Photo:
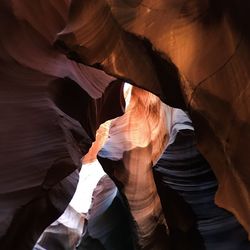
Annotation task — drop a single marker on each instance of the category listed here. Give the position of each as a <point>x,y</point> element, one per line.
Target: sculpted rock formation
<point>135,142</point>
<point>65,233</point>
<point>97,217</point>
<point>107,225</point>
<point>48,120</point>
<point>187,186</point>
<point>109,219</point>
<point>200,47</point>
<point>192,54</point>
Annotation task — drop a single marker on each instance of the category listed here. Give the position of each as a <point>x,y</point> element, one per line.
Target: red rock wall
<point>43,134</point>
<point>192,54</point>
<point>136,140</point>
<point>201,47</point>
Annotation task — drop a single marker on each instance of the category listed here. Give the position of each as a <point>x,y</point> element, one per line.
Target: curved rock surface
<point>107,225</point>
<point>193,54</point>
<point>135,142</point>
<point>65,233</point>
<point>50,110</point>
<point>200,47</point>
<point>187,186</point>
<point>109,219</point>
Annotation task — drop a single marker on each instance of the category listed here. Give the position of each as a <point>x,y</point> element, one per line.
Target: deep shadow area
<point>187,186</point>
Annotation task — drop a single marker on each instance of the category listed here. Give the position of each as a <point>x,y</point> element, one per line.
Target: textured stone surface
<point>48,119</point>
<point>206,43</point>
<point>192,54</point>
<point>187,186</point>
<point>135,142</point>
<point>107,225</point>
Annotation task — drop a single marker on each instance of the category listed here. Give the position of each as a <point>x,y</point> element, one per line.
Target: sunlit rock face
<point>135,142</point>
<point>106,224</point>
<point>50,110</point>
<point>68,229</point>
<point>193,55</point>
<point>90,175</point>
<point>97,217</point>
<point>198,60</point>
<point>65,233</point>
<point>124,54</point>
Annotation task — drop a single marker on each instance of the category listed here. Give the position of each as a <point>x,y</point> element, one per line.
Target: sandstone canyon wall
<point>62,66</point>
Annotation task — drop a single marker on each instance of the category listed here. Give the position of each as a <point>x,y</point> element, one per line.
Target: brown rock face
<point>124,55</point>
<point>192,54</point>
<point>136,140</point>
<point>43,134</point>
<point>207,44</point>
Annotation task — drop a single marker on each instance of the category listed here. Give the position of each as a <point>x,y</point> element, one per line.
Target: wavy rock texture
<point>109,219</point>
<point>65,233</point>
<point>135,142</point>
<point>50,110</point>
<point>91,205</point>
<point>101,136</point>
<point>192,54</point>
<point>187,186</point>
<point>91,25</point>
<point>107,225</point>
<point>200,46</point>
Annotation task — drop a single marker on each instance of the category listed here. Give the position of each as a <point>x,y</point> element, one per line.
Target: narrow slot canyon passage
<point>124,125</point>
